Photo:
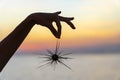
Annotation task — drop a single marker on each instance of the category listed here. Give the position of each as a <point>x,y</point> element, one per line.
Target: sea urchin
<point>55,57</point>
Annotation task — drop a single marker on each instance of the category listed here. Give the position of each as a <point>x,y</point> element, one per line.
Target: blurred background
<point>95,43</point>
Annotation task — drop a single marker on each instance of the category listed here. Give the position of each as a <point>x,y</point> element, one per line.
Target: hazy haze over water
<point>84,67</point>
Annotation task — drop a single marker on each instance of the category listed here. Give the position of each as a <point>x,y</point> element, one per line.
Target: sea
<point>83,67</point>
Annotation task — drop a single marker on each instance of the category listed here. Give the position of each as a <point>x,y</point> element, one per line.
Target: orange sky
<point>97,22</point>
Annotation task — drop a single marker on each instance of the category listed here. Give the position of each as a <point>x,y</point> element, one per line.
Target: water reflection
<point>85,67</point>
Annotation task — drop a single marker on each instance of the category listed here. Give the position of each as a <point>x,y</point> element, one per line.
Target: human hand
<point>46,19</point>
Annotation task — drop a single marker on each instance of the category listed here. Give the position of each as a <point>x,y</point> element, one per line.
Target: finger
<point>54,32</point>
<point>65,18</point>
<point>58,26</point>
<point>58,12</point>
<point>70,24</point>
<point>72,18</point>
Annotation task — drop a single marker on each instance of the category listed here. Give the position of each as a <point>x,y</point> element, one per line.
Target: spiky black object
<point>55,57</point>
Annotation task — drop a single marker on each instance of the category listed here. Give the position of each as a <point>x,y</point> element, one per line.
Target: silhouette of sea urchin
<point>55,57</point>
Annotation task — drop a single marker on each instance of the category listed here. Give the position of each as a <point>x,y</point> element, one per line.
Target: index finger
<point>68,21</point>
<point>58,26</point>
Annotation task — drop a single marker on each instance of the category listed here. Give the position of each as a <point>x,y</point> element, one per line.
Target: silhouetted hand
<point>46,19</point>
<point>11,43</point>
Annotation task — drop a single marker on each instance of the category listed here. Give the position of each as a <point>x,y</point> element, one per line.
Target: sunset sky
<point>97,22</point>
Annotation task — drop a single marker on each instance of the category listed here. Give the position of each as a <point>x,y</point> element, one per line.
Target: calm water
<point>84,67</point>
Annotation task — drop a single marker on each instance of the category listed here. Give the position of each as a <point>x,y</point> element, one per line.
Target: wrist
<point>29,20</point>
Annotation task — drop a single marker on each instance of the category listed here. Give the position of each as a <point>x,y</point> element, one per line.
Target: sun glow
<point>97,22</point>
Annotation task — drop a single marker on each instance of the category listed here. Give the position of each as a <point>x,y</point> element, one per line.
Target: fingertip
<point>74,28</point>
<point>58,37</point>
<point>72,18</point>
<point>58,12</point>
